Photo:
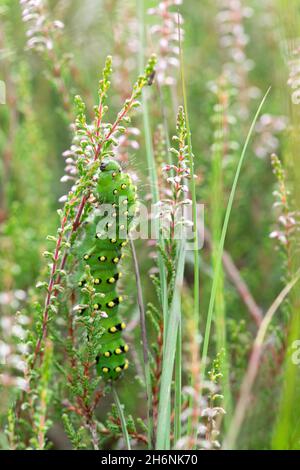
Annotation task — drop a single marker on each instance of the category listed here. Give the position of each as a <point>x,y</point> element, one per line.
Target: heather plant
<point>179,330</point>
<point>94,145</point>
<point>167,34</point>
<point>25,178</point>
<point>43,35</point>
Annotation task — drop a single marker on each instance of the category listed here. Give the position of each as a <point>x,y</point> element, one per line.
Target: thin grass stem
<point>147,369</point>
<point>122,418</point>
<point>217,195</point>
<point>178,386</point>
<point>196,308</point>
<point>169,352</point>
<point>153,176</point>
<point>223,236</point>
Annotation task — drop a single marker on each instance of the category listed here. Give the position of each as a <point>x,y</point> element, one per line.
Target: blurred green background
<point>35,131</point>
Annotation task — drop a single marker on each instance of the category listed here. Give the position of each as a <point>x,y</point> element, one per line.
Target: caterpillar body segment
<point>101,248</point>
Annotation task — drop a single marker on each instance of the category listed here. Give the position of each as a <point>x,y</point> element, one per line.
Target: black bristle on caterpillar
<point>103,239</point>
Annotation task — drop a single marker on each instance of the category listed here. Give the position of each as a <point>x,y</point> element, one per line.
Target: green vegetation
<point>196,110</point>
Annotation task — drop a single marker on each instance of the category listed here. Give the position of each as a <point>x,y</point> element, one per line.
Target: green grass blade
<point>193,188</point>
<point>147,368</point>
<point>122,418</point>
<point>169,352</point>
<point>196,307</point>
<point>150,159</point>
<point>223,236</point>
<point>217,214</point>
<point>152,168</point>
<point>178,386</point>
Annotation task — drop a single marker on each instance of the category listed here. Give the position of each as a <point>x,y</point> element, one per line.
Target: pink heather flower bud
<point>65,178</point>
<point>168,39</point>
<point>58,24</point>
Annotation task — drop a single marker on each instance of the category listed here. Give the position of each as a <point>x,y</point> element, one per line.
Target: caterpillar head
<point>110,165</point>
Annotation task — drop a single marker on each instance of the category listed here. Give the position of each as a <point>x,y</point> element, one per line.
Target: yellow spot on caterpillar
<point>98,235</point>
<point>120,275</point>
<point>126,365</point>
<point>126,213</point>
<point>118,369</point>
<point>114,174</point>
<point>124,243</point>
<point>97,281</point>
<point>126,348</point>
<point>102,258</point>
<point>113,240</point>
<point>109,225</point>
<point>123,186</point>
<point>111,304</point>
<point>125,202</point>
<point>107,354</point>
<point>114,214</point>
<point>122,255</point>
<point>120,299</point>
<point>111,280</point>
<point>122,227</point>
<point>123,326</point>
<point>96,306</point>
<point>115,191</point>
<point>105,370</point>
<point>118,351</point>
<point>116,260</point>
<point>80,283</point>
<point>86,257</point>
<point>114,205</point>
<point>113,329</point>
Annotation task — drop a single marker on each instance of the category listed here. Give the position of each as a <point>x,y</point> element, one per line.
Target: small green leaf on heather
<point>41,285</point>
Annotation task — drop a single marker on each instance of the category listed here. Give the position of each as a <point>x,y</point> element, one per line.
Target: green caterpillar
<point>105,235</point>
